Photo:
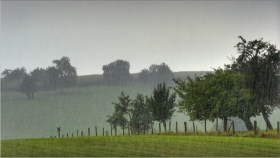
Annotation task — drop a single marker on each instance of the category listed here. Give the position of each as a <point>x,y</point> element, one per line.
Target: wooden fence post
<point>88,131</point>
<point>115,130</point>
<point>144,128</point>
<point>123,130</point>
<point>72,134</point>
<point>111,130</point>
<point>128,132</point>
<point>278,127</point>
<point>152,128</point>
<point>81,133</point>
<point>193,128</point>
<point>62,136</point>
<point>77,133</point>
<point>67,135</point>
<point>255,128</point>
<point>103,131</point>
<point>159,128</point>
<point>95,130</point>
<point>185,125</point>
<point>176,127</point>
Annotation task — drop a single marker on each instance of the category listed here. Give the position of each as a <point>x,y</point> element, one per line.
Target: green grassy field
<point>140,146</point>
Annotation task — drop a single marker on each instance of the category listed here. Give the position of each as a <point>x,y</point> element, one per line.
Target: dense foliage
<point>156,74</point>
<point>116,73</point>
<point>28,86</point>
<point>66,73</point>
<point>131,113</point>
<point>16,74</point>
<point>259,62</point>
<point>162,103</point>
<point>218,95</point>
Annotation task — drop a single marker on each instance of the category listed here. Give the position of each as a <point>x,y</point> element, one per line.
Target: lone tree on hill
<point>67,73</point>
<point>161,104</point>
<point>116,72</point>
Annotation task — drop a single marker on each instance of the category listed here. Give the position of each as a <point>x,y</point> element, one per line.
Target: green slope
<point>77,109</point>
<point>136,146</point>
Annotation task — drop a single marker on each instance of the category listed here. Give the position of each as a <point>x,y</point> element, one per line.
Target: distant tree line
<point>117,73</point>
<point>62,75</point>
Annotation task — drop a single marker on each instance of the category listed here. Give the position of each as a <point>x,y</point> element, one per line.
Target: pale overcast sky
<point>186,35</point>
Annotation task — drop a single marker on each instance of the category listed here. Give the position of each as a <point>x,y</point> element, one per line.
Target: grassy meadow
<point>78,108</point>
<point>140,146</point>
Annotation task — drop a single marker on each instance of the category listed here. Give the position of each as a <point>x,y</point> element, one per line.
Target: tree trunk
<point>248,123</point>
<point>265,117</point>
<point>164,125</point>
<point>225,124</point>
<point>205,126</point>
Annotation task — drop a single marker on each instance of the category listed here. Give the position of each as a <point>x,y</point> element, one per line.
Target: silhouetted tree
<point>67,73</point>
<point>259,61</point>
<point>28,86</point>
<point>16,74</point>
<point>156,74</point>
<point>116,72</point>
<point>41,76</point>
<point>53,77</point>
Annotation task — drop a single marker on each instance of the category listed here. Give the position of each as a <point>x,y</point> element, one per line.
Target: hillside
<point>77,109</point>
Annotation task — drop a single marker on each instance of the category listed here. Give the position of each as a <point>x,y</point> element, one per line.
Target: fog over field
<point>191,37</point>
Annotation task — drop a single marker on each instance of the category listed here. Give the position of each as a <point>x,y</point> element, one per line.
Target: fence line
<point>152,131</point>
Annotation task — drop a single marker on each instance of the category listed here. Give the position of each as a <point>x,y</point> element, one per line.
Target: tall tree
<point>117,72</point>
<point>67,73</point>
<point>28,86</point>
<point>162,103</point>
<point>259,61</point>
<point>195,98</point>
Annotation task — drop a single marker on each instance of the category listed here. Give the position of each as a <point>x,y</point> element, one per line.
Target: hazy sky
<point>186,35</point>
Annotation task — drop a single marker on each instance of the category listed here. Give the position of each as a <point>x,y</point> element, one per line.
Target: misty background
<point>186,35</point>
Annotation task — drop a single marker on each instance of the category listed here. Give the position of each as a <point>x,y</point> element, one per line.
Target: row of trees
<point>62,75</point>
<point>246,88</point>
<point>143,110</point>
<point>117,72</point>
